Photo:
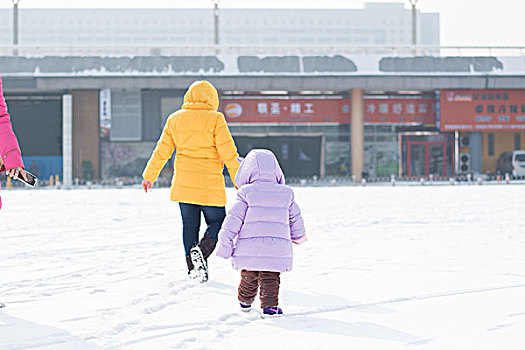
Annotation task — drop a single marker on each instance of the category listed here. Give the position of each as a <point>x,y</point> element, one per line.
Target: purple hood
<point>260,165</point>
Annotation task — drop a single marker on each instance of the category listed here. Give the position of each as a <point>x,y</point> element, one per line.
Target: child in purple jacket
<point>265,220</point>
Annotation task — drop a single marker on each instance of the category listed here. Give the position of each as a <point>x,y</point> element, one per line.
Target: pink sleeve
<point>9,149</point>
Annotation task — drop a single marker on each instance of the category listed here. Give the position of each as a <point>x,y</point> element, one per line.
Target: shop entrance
<point>427,154</point>
<point>299,155</point>
<point>37,123</point>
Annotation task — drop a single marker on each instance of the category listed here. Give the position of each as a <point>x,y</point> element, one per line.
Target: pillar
<point>357,133</point>
<point>86,134</point>
<point>475,151</point>
<point>15,27</point>
<point>67,141</point>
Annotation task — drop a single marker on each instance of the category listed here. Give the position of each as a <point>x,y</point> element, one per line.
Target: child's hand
<point>146,185</point>
<point>224,251</point>
<point>299,240</point>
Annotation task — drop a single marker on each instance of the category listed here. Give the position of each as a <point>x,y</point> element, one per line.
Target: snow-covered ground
<point>423,267</point>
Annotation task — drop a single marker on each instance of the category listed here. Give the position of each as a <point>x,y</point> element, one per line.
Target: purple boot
<point>272,311</point>
<point>245,307</point>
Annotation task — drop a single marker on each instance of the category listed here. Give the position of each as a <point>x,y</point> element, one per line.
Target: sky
<point>463,22</point>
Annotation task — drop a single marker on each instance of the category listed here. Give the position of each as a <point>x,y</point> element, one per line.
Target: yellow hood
<point>201,95</point>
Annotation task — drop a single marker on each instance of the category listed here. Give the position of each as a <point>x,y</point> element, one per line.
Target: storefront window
<point>381,151</point>
<point>286,141</point>
<point>157,106</point>
<point>517,141</point>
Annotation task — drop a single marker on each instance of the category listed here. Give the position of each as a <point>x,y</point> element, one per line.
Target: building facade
<point>375,24</point>
<point>323,116</point>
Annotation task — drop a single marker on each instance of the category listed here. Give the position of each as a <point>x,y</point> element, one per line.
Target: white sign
<point>105,112</point>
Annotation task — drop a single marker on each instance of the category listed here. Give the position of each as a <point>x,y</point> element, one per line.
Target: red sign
<point>377,111</point>
<point>286,111</point>
<point>482,110</point>
<point>400,111</point>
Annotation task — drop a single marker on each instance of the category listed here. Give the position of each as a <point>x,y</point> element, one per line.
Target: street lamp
<point>15,27</point>
<point>414,36</point>
<point>216,20</point>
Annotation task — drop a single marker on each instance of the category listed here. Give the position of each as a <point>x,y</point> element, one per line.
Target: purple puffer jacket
<point>264,218</point>
<point>9,150</point>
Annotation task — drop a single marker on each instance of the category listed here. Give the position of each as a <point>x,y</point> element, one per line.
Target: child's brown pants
<point>269,283</point>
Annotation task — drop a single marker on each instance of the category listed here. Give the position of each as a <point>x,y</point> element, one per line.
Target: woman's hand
<point>15,172</point>
<point>146,185</point>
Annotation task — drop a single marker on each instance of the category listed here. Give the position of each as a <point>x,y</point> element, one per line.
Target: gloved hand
<point>224,251</point>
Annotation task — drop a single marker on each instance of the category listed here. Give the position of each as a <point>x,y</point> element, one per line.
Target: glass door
<point>426,154</point>
<point>436,159</point>
<point>417,160</point>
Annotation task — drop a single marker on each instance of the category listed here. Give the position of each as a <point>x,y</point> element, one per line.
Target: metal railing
<point>239,50</point>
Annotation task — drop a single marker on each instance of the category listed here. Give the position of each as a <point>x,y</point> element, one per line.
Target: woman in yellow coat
<point>203,144</point>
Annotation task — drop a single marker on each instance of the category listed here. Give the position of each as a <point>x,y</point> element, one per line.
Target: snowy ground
<point>439,267</point>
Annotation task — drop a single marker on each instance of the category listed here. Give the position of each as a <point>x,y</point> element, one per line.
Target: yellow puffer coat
<point>203,145</point>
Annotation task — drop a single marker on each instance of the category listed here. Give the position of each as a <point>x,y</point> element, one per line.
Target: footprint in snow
<point>95,291</point>
<point>153,309</point>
